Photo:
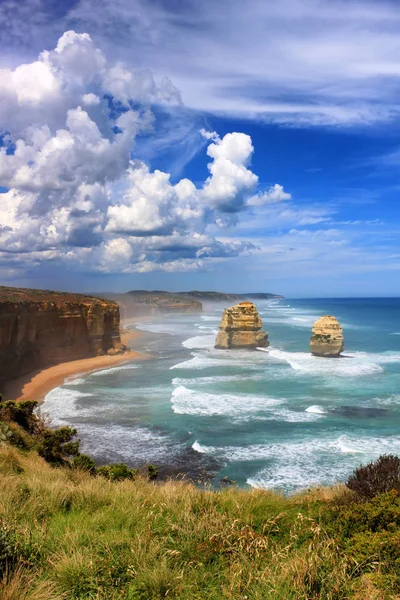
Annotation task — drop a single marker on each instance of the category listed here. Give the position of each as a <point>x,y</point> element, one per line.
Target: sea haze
<point>278,418</point>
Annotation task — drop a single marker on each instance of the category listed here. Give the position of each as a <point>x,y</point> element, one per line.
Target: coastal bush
<point>56,446</point>
<point>15,435</point>
<point>5,432</point>
<point>21,413</point>
<point>116,472</point>
<point>377,477</point>
<point>152,472</point>
<point>84,462</point>
<point>381,513</point>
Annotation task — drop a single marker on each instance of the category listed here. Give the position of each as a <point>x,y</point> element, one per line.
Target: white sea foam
<point>74,380</point>
<point>210,318</point>
<point>389,400</point>
<point>67,404</point>
<point>210,357</point>
<point>395,333</point>
<point>353,364</point>
<point>111,370</point>
<point>308,450</point>
<point>310,462</point>
<point>216,379</point>
<point>291,321</point>
<point>199,448</point>
<point>191,402</point>
<point>116,443</point>
<point>208,329</point>
<point>198,362</point>
<point>63,404</point>
<point>200,341</point>
<point>316,409</point>
<point>291,416</point>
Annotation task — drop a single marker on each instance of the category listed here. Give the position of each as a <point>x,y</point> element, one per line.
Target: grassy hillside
<point>69,530</point>
<point>66,534</point>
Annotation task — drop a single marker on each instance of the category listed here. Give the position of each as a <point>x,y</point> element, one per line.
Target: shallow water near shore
<point>278,418</point>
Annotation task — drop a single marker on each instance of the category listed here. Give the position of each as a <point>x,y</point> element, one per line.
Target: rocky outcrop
<point>240,327</point>
<point>39,328</point>
<point>327,337</point>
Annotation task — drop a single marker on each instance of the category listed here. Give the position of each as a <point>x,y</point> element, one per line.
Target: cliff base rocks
<point>327,337</point>
<point>240,327</point>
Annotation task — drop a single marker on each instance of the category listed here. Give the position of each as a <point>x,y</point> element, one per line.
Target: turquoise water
<point>278,418</point>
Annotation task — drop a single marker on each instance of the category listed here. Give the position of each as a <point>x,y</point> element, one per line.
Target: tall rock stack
<point>240,327</point>
<point>327,337</point>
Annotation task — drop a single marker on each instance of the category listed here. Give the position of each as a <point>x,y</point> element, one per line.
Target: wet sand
<point>35,385</point>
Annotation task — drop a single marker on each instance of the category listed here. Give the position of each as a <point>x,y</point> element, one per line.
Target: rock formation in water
<point>240,327</point>
<point>327,337</point>
<point>39,328</point>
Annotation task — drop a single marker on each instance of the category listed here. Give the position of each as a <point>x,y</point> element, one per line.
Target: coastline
<point>37,384</point>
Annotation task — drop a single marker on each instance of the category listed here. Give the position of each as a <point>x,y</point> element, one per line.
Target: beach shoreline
<point>37,384</point>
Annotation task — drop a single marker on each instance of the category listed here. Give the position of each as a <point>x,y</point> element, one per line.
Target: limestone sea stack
<point>327,337</point>
<point>240,327</point>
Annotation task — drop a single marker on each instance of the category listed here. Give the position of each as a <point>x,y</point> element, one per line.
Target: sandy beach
<point>35,385</point>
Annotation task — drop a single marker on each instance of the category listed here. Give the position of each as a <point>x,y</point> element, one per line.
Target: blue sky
<point>248,148</point>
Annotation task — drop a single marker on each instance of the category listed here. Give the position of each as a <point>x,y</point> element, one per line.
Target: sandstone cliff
<point>327,337</point>
<point>39,328</point>
<point>240,327</point>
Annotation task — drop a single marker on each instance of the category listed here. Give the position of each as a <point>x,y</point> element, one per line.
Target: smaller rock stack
<point>327,337</point>
<point>240,327</point>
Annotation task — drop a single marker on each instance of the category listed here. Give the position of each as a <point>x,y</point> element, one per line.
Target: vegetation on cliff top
<point>22,295</point>
<point>66,534</point>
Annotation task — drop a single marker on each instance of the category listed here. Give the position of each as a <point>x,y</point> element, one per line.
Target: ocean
<point>279,418</point>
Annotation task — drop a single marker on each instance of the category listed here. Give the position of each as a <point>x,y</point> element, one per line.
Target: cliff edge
<point>39,328</point>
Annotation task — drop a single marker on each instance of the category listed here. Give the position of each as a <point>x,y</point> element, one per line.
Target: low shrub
<point>381,513</point>
<point>116,472</point>
<point>84,462</point>
<point>5,432</point>
<point>377,477</point>
<point>21,413</point>
<point>56,446</point>
<point>152,472</point>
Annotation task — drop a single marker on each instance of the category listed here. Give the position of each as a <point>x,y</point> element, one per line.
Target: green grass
<point>69,535</point>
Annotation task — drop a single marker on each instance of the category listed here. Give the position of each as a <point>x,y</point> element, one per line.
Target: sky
<point>213,145</point>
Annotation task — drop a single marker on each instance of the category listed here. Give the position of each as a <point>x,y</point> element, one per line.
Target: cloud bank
<point>302,62</point>
<point>75,197</point>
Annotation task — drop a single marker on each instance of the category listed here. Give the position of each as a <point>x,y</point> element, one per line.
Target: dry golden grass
<point>83,537</point>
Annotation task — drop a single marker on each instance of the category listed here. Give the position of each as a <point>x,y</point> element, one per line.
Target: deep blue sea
<point>278,418</point>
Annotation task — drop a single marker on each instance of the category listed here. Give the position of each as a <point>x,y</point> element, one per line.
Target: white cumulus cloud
<point>276,193</point>
<point>69,121</point>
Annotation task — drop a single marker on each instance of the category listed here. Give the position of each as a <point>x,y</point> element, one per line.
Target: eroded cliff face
<point>327,337</point>
<point>39,328</point>
<point>240,327</point>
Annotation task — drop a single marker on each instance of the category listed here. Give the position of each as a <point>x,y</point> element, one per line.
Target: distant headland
<point>40,329</point>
